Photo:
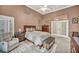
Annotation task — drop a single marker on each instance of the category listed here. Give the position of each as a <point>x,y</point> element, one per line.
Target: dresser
<point>45,28</point>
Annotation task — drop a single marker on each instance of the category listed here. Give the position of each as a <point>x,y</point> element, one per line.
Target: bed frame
<point>29,26</point>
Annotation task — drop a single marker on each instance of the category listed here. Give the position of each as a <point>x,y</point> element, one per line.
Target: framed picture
<point>75,20</point>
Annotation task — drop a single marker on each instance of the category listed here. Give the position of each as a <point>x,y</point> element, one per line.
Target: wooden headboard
<point>30,27</point>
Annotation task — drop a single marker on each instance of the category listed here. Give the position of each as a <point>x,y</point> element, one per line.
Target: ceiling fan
<point>44,8</point>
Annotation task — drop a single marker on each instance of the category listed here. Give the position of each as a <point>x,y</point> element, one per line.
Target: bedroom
<point>24,18</point>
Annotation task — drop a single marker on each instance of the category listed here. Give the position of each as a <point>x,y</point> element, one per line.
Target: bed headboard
<point>29,28</point>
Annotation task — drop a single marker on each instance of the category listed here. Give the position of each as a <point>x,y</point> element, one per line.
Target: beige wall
<point>26,16</point>
<point>67,13</point>
<point>22,14</point>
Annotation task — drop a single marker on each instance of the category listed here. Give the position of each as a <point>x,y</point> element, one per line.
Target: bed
<point>39,38</point>
<point>36,41</point>
<point>31,45</point>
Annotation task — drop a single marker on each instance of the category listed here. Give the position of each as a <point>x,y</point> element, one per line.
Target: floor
<point>62,46</point>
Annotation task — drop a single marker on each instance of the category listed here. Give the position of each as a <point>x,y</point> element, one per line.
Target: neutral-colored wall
<point>26,16</point>
<point>67,13</point>
<point>22,14</point>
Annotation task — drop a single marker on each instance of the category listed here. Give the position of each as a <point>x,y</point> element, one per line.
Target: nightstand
<point>21,37</point>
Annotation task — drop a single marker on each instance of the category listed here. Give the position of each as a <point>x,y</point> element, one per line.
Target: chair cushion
<point>7,39</point>
<point>12,42</point>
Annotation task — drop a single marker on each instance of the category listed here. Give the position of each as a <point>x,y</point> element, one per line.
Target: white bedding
<point>25,48</point>
<point>37,36</point>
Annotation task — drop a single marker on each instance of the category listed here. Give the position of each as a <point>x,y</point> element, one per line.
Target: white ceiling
<point>51,8</point>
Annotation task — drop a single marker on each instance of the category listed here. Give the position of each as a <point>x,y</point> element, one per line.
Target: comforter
<point>37,37</point>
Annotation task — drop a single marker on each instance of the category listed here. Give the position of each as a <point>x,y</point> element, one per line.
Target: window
<point>6,24</point>
<point>59,27</point>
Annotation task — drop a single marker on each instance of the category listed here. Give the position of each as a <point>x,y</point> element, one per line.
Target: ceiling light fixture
<point>44,8</point>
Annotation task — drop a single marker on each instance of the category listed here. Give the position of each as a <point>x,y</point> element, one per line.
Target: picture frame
<point>75,20</point>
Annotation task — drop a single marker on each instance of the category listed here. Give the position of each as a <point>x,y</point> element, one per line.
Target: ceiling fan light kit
<point>44,8</point>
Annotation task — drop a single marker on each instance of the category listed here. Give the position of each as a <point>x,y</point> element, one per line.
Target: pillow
<point>30,29</point>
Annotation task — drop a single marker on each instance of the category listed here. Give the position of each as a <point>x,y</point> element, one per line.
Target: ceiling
<point>50,8</point>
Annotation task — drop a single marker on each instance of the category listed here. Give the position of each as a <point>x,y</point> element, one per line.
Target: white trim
<point>56,35</point>
<point>8,18</point>
<point>37,10</point>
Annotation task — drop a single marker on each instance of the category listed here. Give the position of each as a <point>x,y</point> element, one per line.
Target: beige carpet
<point>63,45</point>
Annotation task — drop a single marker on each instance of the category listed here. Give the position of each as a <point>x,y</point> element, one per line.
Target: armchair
<point>8,43</point>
